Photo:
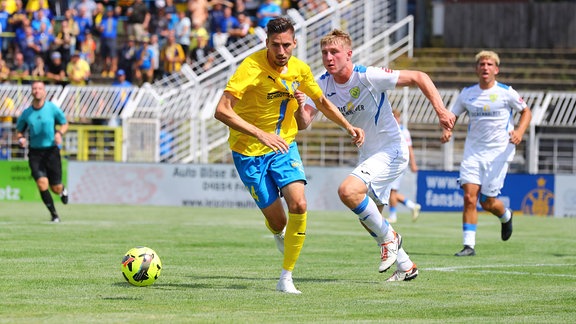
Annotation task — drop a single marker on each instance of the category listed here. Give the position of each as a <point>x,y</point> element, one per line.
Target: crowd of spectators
<point>72,42</point>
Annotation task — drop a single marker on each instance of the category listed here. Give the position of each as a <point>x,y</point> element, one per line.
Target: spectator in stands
<point>395,195</point>
<point>65,40</point>
<point>120,80</point>
<point>78,70</point>
<point>39,70</point>
<point>182,31</point>
<point>29,47</point>
<point>56,72</point>
<point>265,155</point>
<point>108,42</point>
<point>228,23</point>
<point>127,58</point>
<point>44,40</point>
<point>84,24</point>
<point>267,11</point>
<point>39,18</point>
<point>19,69</point>
<point>155,47</point>
<point>243,28</point>
<point>198,11</point>
<point>70,32</point>
<point>4,27</point>
<point>215,16</point>
<point>489,147</point>
<point>144,71</point>
<point>138,20</point>
<point>384,155</point>
<point>97,16</point>
<point>88,48</point>
<point>219,38</point>
<point>198,42</point>
<point>122,96</point>
<point>4,71</point>
<point>18,16</point>
<point>86,8</point>
<point>172,56</point>
<point>39,120</point>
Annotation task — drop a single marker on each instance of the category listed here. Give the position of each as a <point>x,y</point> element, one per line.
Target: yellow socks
<point>294,239</point>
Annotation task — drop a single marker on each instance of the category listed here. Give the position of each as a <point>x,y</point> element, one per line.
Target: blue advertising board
<point>529,194</point>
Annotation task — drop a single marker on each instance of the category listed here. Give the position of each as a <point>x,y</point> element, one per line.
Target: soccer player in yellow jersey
<point>258,105</point>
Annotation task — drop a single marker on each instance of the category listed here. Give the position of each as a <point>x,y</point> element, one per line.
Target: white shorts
<point>395,185</point>
<point>379,172</point>
<point>489,175</point>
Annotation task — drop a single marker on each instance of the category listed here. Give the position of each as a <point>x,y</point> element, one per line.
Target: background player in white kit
<point>360,94</point>
<point>490,146</point>
<point>395,195</point>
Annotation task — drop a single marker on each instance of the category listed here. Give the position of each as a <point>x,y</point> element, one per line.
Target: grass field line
<point>491,266</point>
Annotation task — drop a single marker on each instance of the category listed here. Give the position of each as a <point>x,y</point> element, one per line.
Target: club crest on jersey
<point>355,92</point>
<point>493,97</point>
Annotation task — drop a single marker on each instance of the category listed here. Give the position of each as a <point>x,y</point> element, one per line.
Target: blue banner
<point>524,193</point>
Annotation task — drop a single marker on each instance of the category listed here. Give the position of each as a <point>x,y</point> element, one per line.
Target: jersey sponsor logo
<point>355,92</point>
<point>278,94</point>
<point>350,109</point>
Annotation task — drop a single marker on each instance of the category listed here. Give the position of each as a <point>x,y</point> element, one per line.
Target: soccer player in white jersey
<point>490,146</point>
<point>359,92</point>
<point>395,195</point>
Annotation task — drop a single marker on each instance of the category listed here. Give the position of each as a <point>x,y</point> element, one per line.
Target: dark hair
<point>279,25</point>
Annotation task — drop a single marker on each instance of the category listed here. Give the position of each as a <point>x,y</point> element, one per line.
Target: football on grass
<point>141,266</point>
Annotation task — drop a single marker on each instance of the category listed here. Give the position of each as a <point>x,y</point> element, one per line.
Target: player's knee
<point>470,199</point>
<point>298,206</point>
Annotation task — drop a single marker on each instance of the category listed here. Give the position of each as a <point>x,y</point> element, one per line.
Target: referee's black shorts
<point>46,162</point>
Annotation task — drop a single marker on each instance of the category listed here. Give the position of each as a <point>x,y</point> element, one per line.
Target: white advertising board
<point>209,185</point>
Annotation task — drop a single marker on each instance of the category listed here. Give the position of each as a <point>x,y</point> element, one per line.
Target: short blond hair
<point>489,55</point>
<point>337,37</point>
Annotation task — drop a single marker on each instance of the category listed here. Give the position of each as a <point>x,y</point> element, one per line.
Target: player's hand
<point>300,97</point>
<point>358,135</point>
<point>22,142</point>
<point>273,141</point>
<point>447,119</point>
<point>515,138</point>
<point>446,135</point>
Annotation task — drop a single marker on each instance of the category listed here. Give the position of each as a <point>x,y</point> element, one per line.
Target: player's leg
<point>493,183</point>
<point>392,206</point>
<point>54,171</point>
<point>368,183</point>
<point>37,162</point>
<point>469,219</point>
<point>412,205</point>
<point>288,174</point>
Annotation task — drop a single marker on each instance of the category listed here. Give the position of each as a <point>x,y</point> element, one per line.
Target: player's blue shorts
<point>265,175</point>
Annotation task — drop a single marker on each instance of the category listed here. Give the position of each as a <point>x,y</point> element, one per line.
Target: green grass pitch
<point>221,266</point>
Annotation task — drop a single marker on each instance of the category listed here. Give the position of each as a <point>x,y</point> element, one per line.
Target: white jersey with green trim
<point>364,103</point>
<point>491,113</point>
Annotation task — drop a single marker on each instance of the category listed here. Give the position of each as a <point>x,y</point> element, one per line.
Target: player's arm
<point>226,114</point>
<point>331,112</point>
<point>60,133</point>
<point>425,84</point>
<point>517,134</point>
<point>412,161</point>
